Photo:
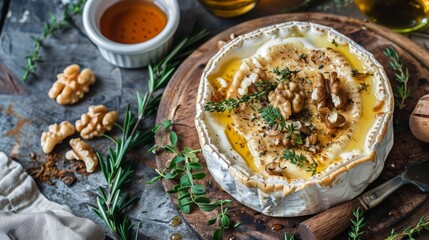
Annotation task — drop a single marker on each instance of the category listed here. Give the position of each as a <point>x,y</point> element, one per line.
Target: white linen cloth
<point>26,214</point>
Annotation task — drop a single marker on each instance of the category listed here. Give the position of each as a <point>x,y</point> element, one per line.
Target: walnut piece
<point>71,85</point>
<point>337,93</point>
<point>57,133</point>
<point>273,168</point>
<point>319,92</point>
<point>332,119</point>
<point>82,151</point>
<point>288,98</point>
<point>97,121</point>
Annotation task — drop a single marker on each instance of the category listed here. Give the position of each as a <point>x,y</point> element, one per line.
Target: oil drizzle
<point>176,236</point>
<point>175,221</point>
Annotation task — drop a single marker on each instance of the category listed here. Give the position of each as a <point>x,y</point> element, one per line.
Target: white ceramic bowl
<point>130,55</point>
<point>340,181</point>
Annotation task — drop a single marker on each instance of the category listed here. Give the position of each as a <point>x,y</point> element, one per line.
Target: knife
<point>322,226</point>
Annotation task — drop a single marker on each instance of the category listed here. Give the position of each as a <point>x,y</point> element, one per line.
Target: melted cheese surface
<point>243,125</point>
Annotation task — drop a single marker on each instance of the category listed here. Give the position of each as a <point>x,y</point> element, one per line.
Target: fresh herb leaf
<point>49,30</point>
<point>273,117</point>
<point>183,165</point>
<point>401,75</point>
<point>363,86</point>
<point>298,160</point>
<point>312,168</point>
<point>284,74</point>
<point>357,224</point>
<point>232,103</point>
<point>410,232</point>
<point>356,73</point>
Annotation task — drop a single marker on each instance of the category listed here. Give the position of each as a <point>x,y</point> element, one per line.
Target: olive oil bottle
<point>399,15</point>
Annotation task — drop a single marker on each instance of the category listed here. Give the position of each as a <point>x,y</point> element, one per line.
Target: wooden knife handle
<point>328,224</point>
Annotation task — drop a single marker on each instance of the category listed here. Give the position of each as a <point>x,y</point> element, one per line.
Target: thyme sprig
<point>357,224</point>
<point>410,232</point>
<point>284,74</point>
<point>112,203</point>
<point>356,73</point>
<point>49,29</point>
<point>232,103</point>
<point>187,170</point>
<point>294,158</point>
<point>363,87</point>
<point>401,75</point>
<point>273,117</point>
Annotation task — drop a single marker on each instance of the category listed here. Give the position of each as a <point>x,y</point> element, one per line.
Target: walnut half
<point>71,85</point>
<point>57,133</point>
<point>82,151</point>
<point>288,98</point>
<point>97,121</point>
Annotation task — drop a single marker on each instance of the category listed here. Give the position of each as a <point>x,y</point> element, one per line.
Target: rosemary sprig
<point>49,29</point>
<point>356,224</point>
<point>284,74</point>
<point>186,169</point>
<point>111,201</point>
<point>273,117</point>
<point>401,75</point>
<point>410,232</point>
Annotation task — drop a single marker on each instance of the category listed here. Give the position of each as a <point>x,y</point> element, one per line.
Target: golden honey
<point>132,21</point>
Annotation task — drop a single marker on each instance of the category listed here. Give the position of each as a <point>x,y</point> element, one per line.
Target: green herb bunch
<point>401,75</point>
<point>49,29</point>
<point>112,202</point>
<point>187,170</point>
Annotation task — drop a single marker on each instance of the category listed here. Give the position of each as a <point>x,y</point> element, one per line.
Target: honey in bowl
<point>132,21</point>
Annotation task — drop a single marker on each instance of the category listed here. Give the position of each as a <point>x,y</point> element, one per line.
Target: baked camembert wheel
<point>292,112</point>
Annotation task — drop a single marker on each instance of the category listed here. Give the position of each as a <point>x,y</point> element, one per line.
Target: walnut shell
<point>419,119</point>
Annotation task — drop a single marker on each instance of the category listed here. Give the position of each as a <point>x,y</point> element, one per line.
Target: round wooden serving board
<point>401,209</point>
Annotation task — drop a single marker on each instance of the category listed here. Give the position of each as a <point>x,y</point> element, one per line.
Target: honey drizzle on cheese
<point>367,119</point>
